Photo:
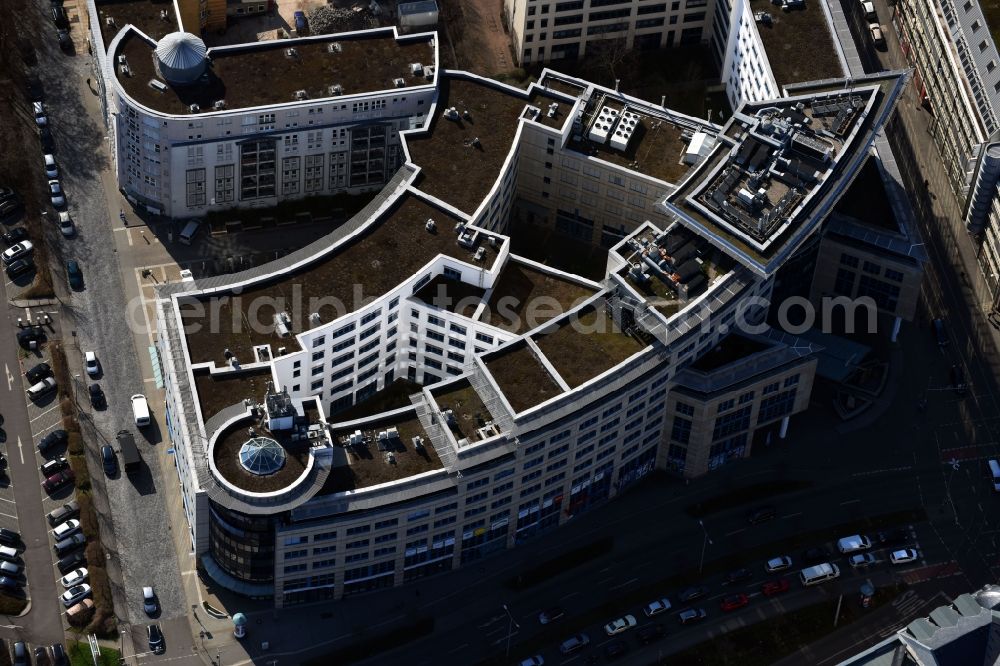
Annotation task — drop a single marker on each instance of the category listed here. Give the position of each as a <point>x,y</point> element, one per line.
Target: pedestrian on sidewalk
<point>121,215</point>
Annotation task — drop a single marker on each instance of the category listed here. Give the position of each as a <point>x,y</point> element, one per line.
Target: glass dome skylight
<point>262,456</point>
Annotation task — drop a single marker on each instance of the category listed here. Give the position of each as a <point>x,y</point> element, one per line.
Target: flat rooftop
<point>586,346</point>
<point>226,455</point>
<point>454,168</point>
<point>468,408</point>
<point>525,297</point>
<point>216,392</point>
<point>156,18</point>
<point>654,149</point>
<point>236,75</point>
<point>451,295</point>
<point>522,378</point>
<point>368,466</point>
<point>798,43</point>
<point>395,247</point>
<point>730,349</point>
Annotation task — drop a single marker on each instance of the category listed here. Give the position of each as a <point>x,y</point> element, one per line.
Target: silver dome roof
<point>181,57</point>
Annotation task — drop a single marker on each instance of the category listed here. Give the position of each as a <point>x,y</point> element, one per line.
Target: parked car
<point>97,399</point>
<point>109,460</point>
<point>868,8</point>
<point>691,615</point>
<point>654,608</point>
<point>45,137</point>
<point>56,193</point>
<point>59,17</point>
<point>734,602</point>
<point>150,604</point>
<point>861,560</point>
<point>51,169</point>
<point>778,564</point>
<point>19,267</point>
<point>853,544</point>
<point>574,643</point>
<point>20,654</point>
<point>66,226</point>
<point>649,633</point>
<point>773,587</point>
<point>69,544</point>
<point>73,578</point>
<point>63,530</point>
<point>155,637</point>
<point>550,615</point>
<point>65,43</point>
<point>54,438</point>
<point>75,594</point>
<point>11,570</point>
<point>59,657</point>
<point>74,274</point>
<point>876,32</point>
<point>9,537</point>
<point>761,515</point>
<point>536,660</point>
<point>615,649</point>
<point>63,513</point>
<point>8,207</point>
<point>737,576</point>
<point>91,363</point>
<point>620,625</point>
<point>892,537</point>
<point>957,377</point>
<point>38,108</point>
<point>903,556</point>
<point>41,656</point>
<point>815,554</point>
<point>84,606</point>
<point>69,562</point>
<point>10,584</point>
<point>17,251</point>
<point>42,388</point>
<point>301,25</point>
<point>14,236</point>
<point>692,593</point>
<point>57,481</point>
<point>50,467</point>
<point>31,337</point>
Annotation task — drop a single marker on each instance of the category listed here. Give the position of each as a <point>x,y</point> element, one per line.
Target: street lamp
<point>510,627</point>
<point>704,544</point>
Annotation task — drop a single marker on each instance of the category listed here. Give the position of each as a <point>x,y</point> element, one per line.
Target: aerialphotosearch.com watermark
<point>255,313</point>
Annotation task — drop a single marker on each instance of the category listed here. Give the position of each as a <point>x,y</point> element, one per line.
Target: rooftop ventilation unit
<point>121,60</point>
<point>625,130</point>
<point>416,69</point>
<point>451,113</point>
<point>428,73</point>
<point>601,128</point>
<point>291,53</point>
<point>110,22</point>
<point>282,324</point>
<point>334,47</point>
<point>164,15</point>
<point>399,83</point>
<point>480,254</point>
<point>430,225</point>
<point>125,70</point>
<point>553,108</point>
<point>219,104</point>
<point>314,318</point>
<point>301,94</point>
<point>336,90</point>
<point>194,108</point>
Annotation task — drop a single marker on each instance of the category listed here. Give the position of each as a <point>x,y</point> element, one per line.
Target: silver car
<point>56,193</point>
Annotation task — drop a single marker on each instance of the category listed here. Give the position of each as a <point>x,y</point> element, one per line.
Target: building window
<point>195,187</point>
<point>225,183</point>
<point>681,430</point>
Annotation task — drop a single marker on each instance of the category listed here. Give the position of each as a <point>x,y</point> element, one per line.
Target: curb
<point>32,302</point>
<point>27,609</point>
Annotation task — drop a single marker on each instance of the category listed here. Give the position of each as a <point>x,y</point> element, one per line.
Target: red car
<point>57,481</point>
<point>773,587</point>
<point>735,602</point>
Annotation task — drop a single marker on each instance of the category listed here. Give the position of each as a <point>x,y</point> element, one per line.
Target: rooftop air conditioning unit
<point>219,104</point>
<point>126,71</point>
<point>399,83</point>
<point>336,89</point>
<point>430,225</point>
<point>301,94</point>
<point>121,60</point>
<point>110,22</point>
<point>194,108</point>
<point>314,318</point>
<point>334,47</point>
<point>428,73</point>
<point>291,53</point>
<point>480,254</point>
<point>416,69</point>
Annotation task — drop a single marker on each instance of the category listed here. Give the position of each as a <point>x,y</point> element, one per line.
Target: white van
<point>819,574</point>
<point>995,473</point>
<point>189,230</point>
<point>140,410</point>
<point>853,544</point>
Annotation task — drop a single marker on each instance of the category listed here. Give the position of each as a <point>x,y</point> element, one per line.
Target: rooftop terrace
<point>146,15</point>
<point>453,167</point>
<point>586,346</point>
<point>395,247</point>
<point>525,297</point>
<point>522,378</point>
<point>468,408</point>
<point>655,148</point>
<point>798,43</point>
<point>367,464</point>
<point>216,392</point>
<point>363,64</point>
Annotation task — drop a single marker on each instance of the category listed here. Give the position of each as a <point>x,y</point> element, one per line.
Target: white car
<point>93,367</point>
<point>74,577</point>
<point>51,170</point>
<point>17,251</point>
<point>63,530</point>
<point>778,564</point>
<point>861,560</point>
<point>75,594</point>
<point>66,224</point>
<point>903,556</point>
<point>656,607</point>
<point>56,193</point>
<point>619,625</point>
<point>876,31</point>
<point>39,110</point>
